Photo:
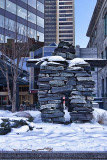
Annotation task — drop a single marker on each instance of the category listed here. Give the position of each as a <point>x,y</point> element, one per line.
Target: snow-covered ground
<point>56,137</point>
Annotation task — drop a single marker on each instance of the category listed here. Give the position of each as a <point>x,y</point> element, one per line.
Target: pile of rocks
<point>51,84</point>
<point>65,50</point>
<point>60,78</point>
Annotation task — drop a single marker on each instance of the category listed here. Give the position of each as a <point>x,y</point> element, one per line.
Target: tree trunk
<point>14,95</point>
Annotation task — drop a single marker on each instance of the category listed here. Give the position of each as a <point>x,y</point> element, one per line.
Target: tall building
<point>26,17</point>
<point>59,21</point>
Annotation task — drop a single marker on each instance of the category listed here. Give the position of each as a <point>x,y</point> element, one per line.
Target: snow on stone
<point>55,137</point>
<point>55,58</point>
<point>44,63</point>
<point>76,61</point>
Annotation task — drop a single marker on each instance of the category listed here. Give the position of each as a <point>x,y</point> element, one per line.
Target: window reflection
<point>40,7</point>
<point>40,21</point>
<point>41,36</point>
<point>32,3</point>
<point>21,12</point>
<point>2,4</point>
<point>21,29</point>
<point>1,21</point>
<point>31,17</point>
<point>10,24</point>
<point>11,7</point>
<point>31,33</point>
<point>1,38</point>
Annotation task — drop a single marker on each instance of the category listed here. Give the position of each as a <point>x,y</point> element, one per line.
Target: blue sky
<point>83,14</point>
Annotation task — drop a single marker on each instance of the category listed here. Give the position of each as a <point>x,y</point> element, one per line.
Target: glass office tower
<point>59,21</point>
<point>24,17</point>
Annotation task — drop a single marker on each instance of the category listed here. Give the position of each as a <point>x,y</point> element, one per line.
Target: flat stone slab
<point>62,89</point>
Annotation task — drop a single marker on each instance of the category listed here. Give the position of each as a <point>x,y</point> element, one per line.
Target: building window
<point>11,7</point>
<point>21,12</point>
<point>40,7</point>
<point>106,86</point>
<point>102,55</point>
<point>105,24</point>
<point>106,52</point>
<point>102,87</point>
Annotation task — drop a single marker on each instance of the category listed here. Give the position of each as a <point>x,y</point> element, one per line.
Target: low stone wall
<point>52,155</point>
<point>58,80</point>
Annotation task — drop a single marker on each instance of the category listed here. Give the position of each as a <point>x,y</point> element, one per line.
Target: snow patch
<point>76,61</point>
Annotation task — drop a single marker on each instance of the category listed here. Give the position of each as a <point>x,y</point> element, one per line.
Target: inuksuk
<point>63,75</point>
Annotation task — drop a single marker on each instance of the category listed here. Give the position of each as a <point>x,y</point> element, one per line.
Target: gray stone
<point>84,79</point>
<point>55,74</point>
<point>49,99</point>
<point>55,64</point>
<point>81,88</point>
<point>87,93</point>
<point>78,100</point>
<point>71,82</point>
<point>87,68</point>
<point>73,105</point>
<point>90,98</point>
<point>67,74</point>
<point>60,78</point>
<point>60,119</point>
<point>55,101</point>
<point>86,83</point>
<point>80,117</point>
<point>56,83</point>
<point>63,89</point>
<point>56,114</point>
<point>60,68</point>
<point>47,120</point>
<point>50,106</point>
<point>42,92</point>
<point>44,87</point>
<point>82,74</point>
<point>50,111</point>
<point>85,109</point>
<point>62,55</point>
<point>76,93</point>
<point>78,97</point>
<point>44,79</point>
<point>42,75</point>
<point>70,56</point>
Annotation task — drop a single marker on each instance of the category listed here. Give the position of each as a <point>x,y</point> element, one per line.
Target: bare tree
<point>12,63</point>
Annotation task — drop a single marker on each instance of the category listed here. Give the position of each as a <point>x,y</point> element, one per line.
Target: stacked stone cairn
<point>71,79</point>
